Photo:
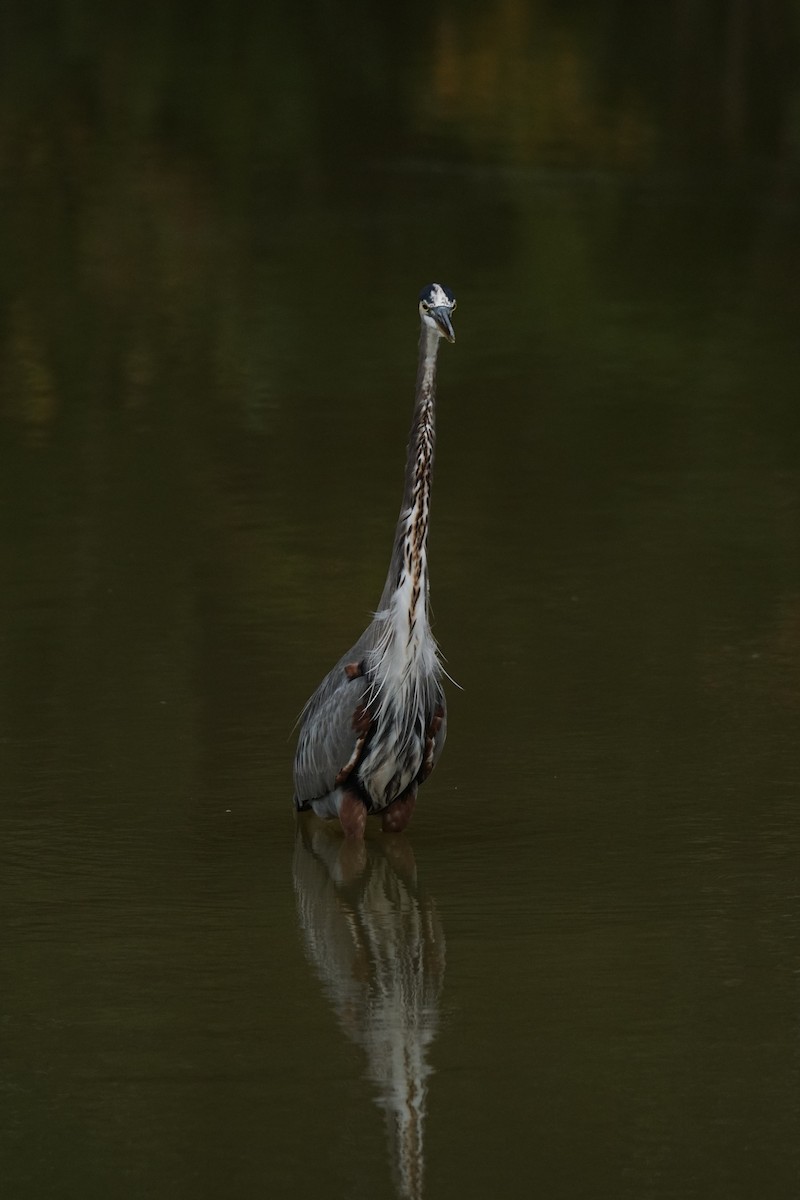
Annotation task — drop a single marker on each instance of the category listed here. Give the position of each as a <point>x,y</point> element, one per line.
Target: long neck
<point>410,554</point>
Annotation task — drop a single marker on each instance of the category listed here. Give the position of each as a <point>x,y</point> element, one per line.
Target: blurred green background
<point>214,224</point>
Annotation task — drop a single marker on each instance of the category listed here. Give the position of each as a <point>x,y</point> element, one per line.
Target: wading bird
<point>374,729</point>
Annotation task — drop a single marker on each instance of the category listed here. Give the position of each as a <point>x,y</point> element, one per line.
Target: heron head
<point>436,306</point>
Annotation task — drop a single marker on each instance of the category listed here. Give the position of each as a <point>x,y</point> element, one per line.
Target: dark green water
<point>577,975</point>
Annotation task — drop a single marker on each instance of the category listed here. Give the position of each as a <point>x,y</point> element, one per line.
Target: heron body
<point>375,727</point>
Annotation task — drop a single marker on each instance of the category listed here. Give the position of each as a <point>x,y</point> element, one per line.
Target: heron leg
<point>397,816</point>
<point>361,724</point>
<point>430,743</point>
<point>352,815</point>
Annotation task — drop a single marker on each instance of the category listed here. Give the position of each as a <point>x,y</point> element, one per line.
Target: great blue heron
<point>374,729</point>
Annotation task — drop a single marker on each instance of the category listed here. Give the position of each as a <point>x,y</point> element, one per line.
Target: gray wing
<point>328,733</point>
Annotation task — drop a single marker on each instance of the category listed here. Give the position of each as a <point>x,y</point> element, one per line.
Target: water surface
<point>577,974</point>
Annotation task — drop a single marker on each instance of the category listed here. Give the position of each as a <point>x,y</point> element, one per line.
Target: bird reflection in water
<point>376,942</point>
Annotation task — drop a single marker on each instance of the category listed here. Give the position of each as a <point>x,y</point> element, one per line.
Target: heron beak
<point>442,318</point>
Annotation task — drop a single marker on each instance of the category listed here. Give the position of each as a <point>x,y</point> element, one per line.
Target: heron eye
<point>455,306</point>
<point>424,305</point>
